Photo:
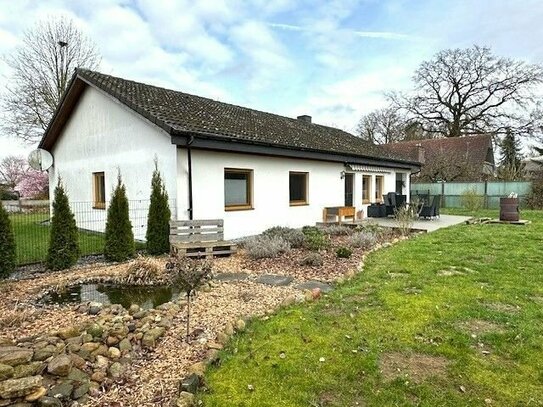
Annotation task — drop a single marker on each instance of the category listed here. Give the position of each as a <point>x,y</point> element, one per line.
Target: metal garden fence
<point>491,191</point>
<point>31,226</point>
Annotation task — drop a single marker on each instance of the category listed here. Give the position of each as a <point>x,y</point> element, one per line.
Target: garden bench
<point>199,238</point>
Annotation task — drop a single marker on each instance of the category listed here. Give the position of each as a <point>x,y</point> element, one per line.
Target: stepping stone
<point>310,285</point>
<point>274,280</point>
<point>228,277</point>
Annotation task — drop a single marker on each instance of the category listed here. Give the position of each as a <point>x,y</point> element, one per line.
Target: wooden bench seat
<point>199,238</point>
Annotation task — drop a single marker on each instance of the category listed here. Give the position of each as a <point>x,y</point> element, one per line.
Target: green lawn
<point>32,238</point>
<point>450,318</point>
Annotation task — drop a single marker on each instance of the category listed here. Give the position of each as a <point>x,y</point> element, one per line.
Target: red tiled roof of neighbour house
<point>179,112</point>
<point>473,150</point>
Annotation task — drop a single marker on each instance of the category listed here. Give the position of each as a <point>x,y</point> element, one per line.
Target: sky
<point>332,60</point>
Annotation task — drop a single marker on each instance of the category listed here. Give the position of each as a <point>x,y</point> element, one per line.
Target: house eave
<point>206,141</point>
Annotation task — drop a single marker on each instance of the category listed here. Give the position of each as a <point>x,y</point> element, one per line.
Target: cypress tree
<point>7,244</point>
<point>64,237</point>
<point>119,245</point>
<point>158,220</point>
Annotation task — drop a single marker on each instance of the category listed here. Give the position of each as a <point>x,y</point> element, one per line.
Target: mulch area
<point>153,378</point>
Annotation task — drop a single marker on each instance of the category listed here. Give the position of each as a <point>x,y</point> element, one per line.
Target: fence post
<point>486,195</point>
<point>443,194</point>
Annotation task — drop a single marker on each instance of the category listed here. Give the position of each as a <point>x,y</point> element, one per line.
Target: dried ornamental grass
<point>144,270</point>
<point>363,240</point>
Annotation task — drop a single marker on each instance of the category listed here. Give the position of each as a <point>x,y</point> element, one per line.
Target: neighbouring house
<point>469,158</point>
<point>219,161</point>
<point>533,167</point>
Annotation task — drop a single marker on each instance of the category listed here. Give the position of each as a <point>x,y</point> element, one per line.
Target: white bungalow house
<point>219,161</point>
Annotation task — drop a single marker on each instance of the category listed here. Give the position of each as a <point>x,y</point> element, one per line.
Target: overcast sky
<point>329,59</point>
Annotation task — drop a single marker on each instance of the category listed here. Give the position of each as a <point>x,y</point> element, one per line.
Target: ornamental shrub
<point>158,220</point>
<point>63,249</point>
<point>315,239</point>
<point>7,244</point>
<point>312,259</point>
<point>260,247</point>
<point>363,240</point>
<point>294,237</point>
<point>343,252</point>
<point>471,200</point>
<point>119,245</point>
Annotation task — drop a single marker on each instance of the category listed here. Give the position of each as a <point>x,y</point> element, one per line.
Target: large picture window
<point>237,189</point>
<point>366,189</point>
<point>99,190</point>
<point>379,188</point>
<point>298,188</point>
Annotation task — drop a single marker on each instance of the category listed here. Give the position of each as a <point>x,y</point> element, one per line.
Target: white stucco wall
<point>104,136</point>
<point>270,190</point>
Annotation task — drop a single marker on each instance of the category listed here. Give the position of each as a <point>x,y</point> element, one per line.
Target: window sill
<point>238,208</point>
<point>101,207</point>
<point>298,203</point>
<point>366,202</point>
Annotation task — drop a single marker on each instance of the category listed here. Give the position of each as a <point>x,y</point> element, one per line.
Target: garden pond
<point>146,297</point>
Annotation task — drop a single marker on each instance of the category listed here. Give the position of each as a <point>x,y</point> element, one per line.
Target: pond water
<point>145,297</point>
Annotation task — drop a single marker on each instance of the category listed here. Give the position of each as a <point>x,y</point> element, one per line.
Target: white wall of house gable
<point>102,135</point>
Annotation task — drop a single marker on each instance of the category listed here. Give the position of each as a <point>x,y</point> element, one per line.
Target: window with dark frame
<point>238,189</point>
<point>99,190</point>
<point>298,188</point>
<point>366,188</point>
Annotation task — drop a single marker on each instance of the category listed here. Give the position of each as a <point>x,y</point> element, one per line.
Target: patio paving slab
<point>231,277</point>
<point>312,284</point>
<point>428,225</point>
<point>274,280</point>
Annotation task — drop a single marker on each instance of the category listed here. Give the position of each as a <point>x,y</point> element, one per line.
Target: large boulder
<point>24,386</point>
<point>151,336</point>
<point>13,355</point>
<point>60,365</point>
<point>185,399</point>
<point>6,371</point>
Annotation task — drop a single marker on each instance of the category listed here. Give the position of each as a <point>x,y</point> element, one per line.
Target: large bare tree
<point>41,69</point>
<point>471,91</point>
<point>382,126</point>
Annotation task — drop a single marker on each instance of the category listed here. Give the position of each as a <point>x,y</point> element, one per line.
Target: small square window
<point>238,189</point>
<point>99,190</point>
<point>298,188</point>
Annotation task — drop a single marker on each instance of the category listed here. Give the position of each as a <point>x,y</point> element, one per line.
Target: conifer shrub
<point>119,239</point>
<point>158,221</point>
<point>63,249</point>
<point>7,245</point>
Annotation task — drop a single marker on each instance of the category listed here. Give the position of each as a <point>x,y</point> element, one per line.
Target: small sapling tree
<point>190,275</point>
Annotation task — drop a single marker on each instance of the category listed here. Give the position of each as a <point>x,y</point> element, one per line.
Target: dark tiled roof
<point>473,149</point>
<point>179,112</point>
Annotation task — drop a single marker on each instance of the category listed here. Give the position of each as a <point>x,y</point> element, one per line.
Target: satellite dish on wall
<point>40,159</point>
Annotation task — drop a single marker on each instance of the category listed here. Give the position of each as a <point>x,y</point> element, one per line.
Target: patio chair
<point>390,203</point>
<point>431,211</point>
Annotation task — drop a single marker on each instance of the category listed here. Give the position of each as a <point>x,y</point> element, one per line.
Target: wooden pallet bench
<point>199,238</point>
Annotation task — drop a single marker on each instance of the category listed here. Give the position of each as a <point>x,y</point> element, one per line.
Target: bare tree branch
<point>42,67</point>
<point>471,91</point>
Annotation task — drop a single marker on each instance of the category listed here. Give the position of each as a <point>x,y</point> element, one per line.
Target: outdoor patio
<point>428,225</point>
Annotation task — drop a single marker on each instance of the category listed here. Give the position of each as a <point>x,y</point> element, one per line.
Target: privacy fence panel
<point>491,191</point>
<point>31,226</point>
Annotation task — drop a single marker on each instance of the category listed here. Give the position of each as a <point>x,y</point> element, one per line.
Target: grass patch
<point>32,238</point>
<point>429,338</point>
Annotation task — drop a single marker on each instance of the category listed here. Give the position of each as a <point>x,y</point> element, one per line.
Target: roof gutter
<point>212,141</point>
